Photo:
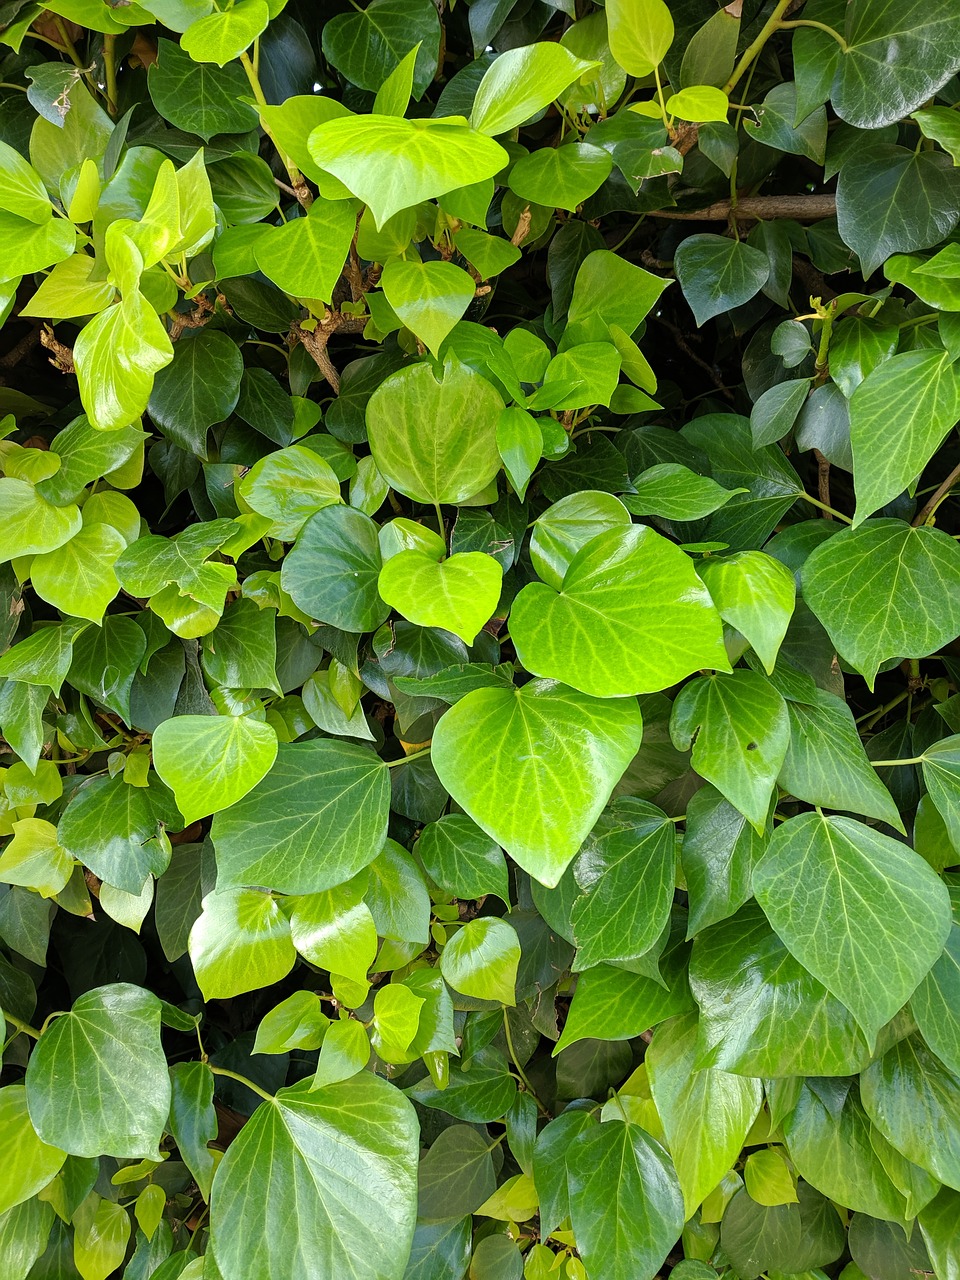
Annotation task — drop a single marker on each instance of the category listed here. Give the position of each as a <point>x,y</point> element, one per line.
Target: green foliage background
<point>480,590</point>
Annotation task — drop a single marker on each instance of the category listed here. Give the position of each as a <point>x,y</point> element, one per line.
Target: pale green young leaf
<point>481,960</point>
<point>34,858</point>
<point>221,37</point>
<point>345,1052</point>
<point>211,762</point>
<point>305,257</point>
<point>584,745</point>
<point>295,1023</point>
<point>335,930</point>
<point>241,941</point>
<point>78,578</point>
<point>116,357</point>
<point>459,594</point>
<point>522,82</point>
<point>429,297</point>
<point>754,593</point>
<point>30,1163</point>
<point>31,525</point>
<point>674,492</point>
<point>640,33</point>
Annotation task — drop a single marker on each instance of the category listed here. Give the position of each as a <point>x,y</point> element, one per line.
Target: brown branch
<point>17,352</point>
<point>937,497</point>
<point>195,319</point>
<point>315,340</point>
<point>62,357</point>
<point>823,483</point>
<point>757,208</point>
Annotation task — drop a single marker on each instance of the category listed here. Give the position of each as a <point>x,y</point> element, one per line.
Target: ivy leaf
<point>78,578</point>
<point>221,37</point>
<point>706,1113</point>
<point>754,593</point>
<point>896,58</point>
<point>320,815</point>
<point>459,594</point>
<point>112,1036</point>
<point>435,439</point>
<point>718,854</point>
<point>613,1004</point>
<point>390,163</point>
<point>863,913</point>
<point>335,930</point>
<point>640,33</point>
<point>826,764</point>
<point>332,572</point>
<point>211,762</point>
<point>675,492</point>
<point>908,403</point>
<point>199,98</point>
<point>30,1162</point>
<point>891,199</point>
<point>642,613</point>
<point>117,830</point>
<point>761,1012</point>
<point>914,1100</point>
<point>561,177</point>
<point>34,858</point>
<point>775,125</point>
<point>347,1155</point>
<point>368,45</point>
<point>241,941</point>
<point>936,1002</point>
<point>116,356</point>
<point>584,745</point>
<point>481,960</point>
<point>739,729</point>
<point>429,297</point>
<point>456,1175</point>
<point>872,617</point>
<point>198,389</point>
<point>626,1206</point>
<point>463,859</point>
<point>569,525</point>
<point>717,274</point>
<point>305,256</point>
<point>522,82</point>
<point>804,1235</point>
<point>32,525</point>
<point>626,877</point>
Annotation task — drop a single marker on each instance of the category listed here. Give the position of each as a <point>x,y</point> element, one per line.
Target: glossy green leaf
<point>241,941</point>
<point>462,858</point>
<point>640,34</point>
<point>198,389</point>
<point>625,1201</point>
<point>936,1004</point>
<point>613,1004</point>
<point>434,439</point>
<point>481,960</point>
<point>870,618</point>
<point>305,257</point>
<point>320,814</point>
<point>754,593</point>
<point>112,1036</point>
<point>429,297</point>
<point>851,905</point>
<point>675,492</point>
<point>335,930</point>
<point>522,82</point>
<point>347,1155</point>
<point>368,45</point>
<point>331,573</point>
<point>584,745</point>
<point>30,1162</point>
<point>211,762</point>
<point>459,594</point>
<point>717,274</point>
<point>118,830</point>
<point>221,37</point>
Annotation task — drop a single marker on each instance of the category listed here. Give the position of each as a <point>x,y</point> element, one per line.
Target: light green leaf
<point>116,356</point>
<point>320,815</point>
<point>434,439</point>
<point>614,1004</point>
<point>331,574</point>
<point>641,618</point>
<point>393,96</point>
<point>569,525</point>
<point>101,1232</point>
<point>700,102</point>
<point>626,1206</point>
<point>29,246</point>
<point>754,593</point>
<point>863,913</point>
<point>674,492</point>
<point>110,1039</point>
<point>240,942</point>
<point>429,297</point>
<point>320,702</point>
<point>626,876</point>
<point>481,960</point>
<point>305,257</point>
<point>391,163</point>
<point>520,445</point>
<point>739,730</point>
<point>706,1113</point>
<point>221,37</point>
<point>30,1163</point>
<point>761,1012</point>
<point>943,125</point>
<point>873,613</point>
<point>521,82</point>
<point>68,291</point>
<point>396,1020</point>
<point>560,177</point>
<point>78,578</point>
<point>34,858</point>
<point>345,1051</point>
<point>718,854</point>
<point>347,1156</point>
<point>717,274</point>
<point>296,1023</point>
<point>640,32</point>
<point>31,525</point>
<point>335,931</point>
<point>211,762</point>
<point>768,1178</point>
<point>23,192</point>
<point>936,1004</point>
<point>826,764</point>
<point>459,594</point>
<point>899,416</point>
<point>584,745</point>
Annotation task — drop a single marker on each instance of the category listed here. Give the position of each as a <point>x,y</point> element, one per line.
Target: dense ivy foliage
<point>479,600</point>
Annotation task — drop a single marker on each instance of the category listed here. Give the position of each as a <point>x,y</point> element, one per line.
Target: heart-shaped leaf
<point>459,594</point>
<point>210,762</point>
<point>636,607</point>
<point>583,746</point>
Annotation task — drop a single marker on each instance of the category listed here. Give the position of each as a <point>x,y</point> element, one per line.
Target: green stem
<point>20,1025</point>
<point>414,755</point>
<point>878,713</point>
<point>825,332</point>
<point>769,27</point>
<point>234,1075</point>
<point>519,1070</point>
<point>889,764</point>
<point>110,71</point>
<point>663,108</point>
<point>297,180</point>
<point>823,507</point>
<point>820,26</point>
<point>5,84</point>
<point>69,48</point>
